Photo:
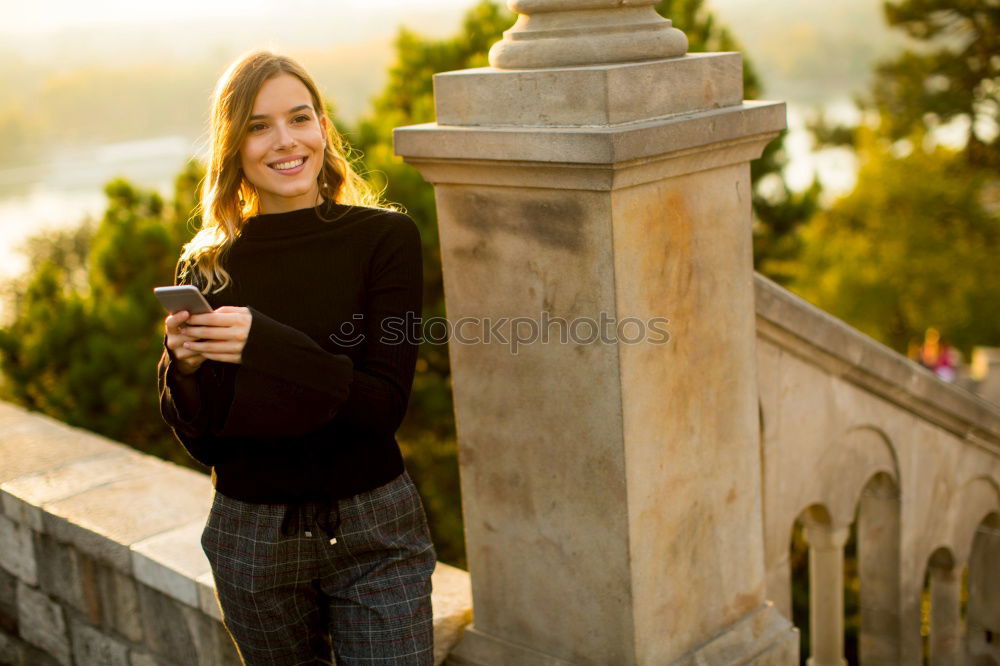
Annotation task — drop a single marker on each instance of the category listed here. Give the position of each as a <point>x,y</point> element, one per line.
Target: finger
<point>213,332</point>
<point>174,320</point>
<point>215,319</point>
<point>216,347</point>
<point>225,358</point>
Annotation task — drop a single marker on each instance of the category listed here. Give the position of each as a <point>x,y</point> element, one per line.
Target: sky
<point>53,15</point>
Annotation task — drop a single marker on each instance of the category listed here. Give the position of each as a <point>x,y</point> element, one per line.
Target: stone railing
<point>100,556</point>
<point>853,432</point>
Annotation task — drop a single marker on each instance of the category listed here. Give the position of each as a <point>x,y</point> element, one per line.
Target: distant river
<point>69,186</point>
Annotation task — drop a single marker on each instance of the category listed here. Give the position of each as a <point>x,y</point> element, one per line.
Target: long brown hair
<point>228,199</point>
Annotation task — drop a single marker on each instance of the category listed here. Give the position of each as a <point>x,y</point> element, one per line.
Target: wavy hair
<point>228,199</point>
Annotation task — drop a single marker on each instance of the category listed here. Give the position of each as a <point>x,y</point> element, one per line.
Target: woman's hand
<point>188,361</point>
<point>224,330</point>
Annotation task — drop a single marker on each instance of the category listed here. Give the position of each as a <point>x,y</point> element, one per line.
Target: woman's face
<point>282,154</point>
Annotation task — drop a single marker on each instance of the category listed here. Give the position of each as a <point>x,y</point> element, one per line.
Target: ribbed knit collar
<point>293,222</point>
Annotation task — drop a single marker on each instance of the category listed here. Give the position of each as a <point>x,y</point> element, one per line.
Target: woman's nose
<point>283,138</point>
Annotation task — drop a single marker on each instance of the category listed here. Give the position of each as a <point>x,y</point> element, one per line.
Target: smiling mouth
<point>289,164</point>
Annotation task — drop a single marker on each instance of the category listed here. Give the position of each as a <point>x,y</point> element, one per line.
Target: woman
<point>293,387</point>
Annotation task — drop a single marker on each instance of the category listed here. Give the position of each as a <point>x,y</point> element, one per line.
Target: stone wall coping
<point>820,338</point>
<point>139,514</point>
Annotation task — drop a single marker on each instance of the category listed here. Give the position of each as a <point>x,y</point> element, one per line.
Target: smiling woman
<point>317,537</point>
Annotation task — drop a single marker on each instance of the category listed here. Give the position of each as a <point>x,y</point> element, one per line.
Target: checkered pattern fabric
<point>289,600</point>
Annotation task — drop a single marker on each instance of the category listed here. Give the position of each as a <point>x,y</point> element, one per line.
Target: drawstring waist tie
<point>323,507</point>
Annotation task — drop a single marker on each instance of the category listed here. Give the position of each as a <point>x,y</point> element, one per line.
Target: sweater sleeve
<point>383,379</point>
<point>288,385</point>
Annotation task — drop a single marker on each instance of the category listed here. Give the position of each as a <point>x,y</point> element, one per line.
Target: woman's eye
<point>256,126</point>
<point>301,119</point>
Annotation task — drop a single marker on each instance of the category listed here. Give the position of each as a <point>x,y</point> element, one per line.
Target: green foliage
<point>87,331</point>
<point>956,73</point>
<point>913,246</point>
<point>910,247</point>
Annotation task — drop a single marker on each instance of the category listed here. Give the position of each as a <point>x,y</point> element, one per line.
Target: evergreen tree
<point>910,247</point>
<point>87,331</point>
<point>953,73</point>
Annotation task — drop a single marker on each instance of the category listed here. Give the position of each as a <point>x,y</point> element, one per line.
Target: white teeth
<point>287,165</point>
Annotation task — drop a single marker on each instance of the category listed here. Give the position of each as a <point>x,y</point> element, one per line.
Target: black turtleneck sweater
<point>326,372</point>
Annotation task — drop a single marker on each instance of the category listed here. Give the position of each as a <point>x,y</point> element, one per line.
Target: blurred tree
<point>87,332</point>
<point>909,248</point>
<point>914,245</point>
<point>953,74</point>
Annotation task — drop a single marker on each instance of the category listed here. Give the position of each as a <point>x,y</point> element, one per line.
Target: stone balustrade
<point>101,561</point>
<point>853,432</point>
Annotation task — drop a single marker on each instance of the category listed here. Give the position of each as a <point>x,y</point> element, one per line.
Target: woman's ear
<point>324,123</point>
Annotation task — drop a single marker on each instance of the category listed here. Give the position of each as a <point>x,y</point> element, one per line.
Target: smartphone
<point>182,297</point>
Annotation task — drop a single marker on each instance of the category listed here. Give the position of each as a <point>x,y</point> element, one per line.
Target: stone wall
<point>101,561</point>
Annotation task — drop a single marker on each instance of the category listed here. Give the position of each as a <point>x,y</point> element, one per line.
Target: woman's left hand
<point>225,330</point>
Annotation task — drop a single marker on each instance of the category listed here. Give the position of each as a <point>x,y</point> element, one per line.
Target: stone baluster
<point>826,593</point>
<point>946,621</point>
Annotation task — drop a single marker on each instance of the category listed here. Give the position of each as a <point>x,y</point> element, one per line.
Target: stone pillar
<point>611,489</point>
<point>826,593</point>
<point>946,620</point>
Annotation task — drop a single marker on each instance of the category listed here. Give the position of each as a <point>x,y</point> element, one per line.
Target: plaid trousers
<point>292,599</point>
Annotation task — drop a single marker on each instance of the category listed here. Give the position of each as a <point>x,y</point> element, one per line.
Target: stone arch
<point>971,504</point>
<point>857,456</point>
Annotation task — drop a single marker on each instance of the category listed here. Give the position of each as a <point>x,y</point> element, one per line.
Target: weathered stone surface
<point>8,650</point>
<point>207,600</point>
<point>32,442</point>
<point>17,552</point>
<point>172,561</point>
<point>119,597</point>
<point>594,95</point>
<point>452,601</point>
<point>8,602</point>
<point>105,521</point>
<point>142,659</point>
<point>16,652</point>
<point>168,627</point>
<point>554,33</point>
<point>624,222</point>
<point>42,622</point>
<point>26,496</point>
<point>178,633</point>
<point>59,572</point>
<point>95,648</point>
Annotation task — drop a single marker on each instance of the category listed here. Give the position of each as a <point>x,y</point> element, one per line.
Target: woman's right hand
<point>188,361</point>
